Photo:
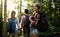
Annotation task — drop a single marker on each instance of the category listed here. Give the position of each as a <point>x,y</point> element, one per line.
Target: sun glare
<point>11,6</point>
<point>24,5</point>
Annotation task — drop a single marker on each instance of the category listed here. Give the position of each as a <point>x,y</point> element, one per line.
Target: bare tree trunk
<point>1,19</point>
<point>20,10</point>
<point>4,24</point>
<point>20,5</point>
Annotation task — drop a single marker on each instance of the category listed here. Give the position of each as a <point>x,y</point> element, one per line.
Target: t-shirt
<point>16,21</point>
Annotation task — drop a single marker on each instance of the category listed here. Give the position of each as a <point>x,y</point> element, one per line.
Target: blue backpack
<point>11,25</point>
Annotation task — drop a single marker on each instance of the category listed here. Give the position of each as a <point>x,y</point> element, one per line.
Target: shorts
<point>34,31</point>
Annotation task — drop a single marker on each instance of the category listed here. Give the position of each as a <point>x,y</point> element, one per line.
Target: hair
<point>26,11</point>
<point>37,5</point>
<point>13,12</point>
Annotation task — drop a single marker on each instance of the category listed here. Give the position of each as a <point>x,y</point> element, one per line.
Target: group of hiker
<point>32,25</point>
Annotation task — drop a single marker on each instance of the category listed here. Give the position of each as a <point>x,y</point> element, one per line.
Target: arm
<point>32,20</point>
<point>8,26</point>
<point>18,23</point>
<point>22,21</point>
<point>37,18</point>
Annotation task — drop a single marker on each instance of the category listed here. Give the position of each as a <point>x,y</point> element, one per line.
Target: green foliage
<point>20,16</point>
<point>52,10</point>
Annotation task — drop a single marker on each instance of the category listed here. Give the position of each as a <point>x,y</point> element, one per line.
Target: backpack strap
<point>27,21</point>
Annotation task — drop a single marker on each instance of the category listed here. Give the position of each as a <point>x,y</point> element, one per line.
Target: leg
<point>28,32</point>
<point>34,32</point>
<point>15,35</point>
<point>24,32</point>
<point>34,35</point>
<point>10,35</point>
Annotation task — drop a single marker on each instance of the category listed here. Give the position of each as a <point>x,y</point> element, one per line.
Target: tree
<point>0,18</point>
<point>4,24</point>
<point>51,8</point>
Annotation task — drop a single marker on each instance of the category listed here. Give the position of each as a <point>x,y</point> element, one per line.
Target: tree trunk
<point>4,24</point>
<point>1,19</point>
<point>20,5</point>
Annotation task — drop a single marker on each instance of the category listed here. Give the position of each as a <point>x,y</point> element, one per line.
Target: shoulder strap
<point>27,16</point>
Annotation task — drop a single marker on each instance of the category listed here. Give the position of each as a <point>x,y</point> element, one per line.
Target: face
<point>35,8</point>
<point>13,15</point>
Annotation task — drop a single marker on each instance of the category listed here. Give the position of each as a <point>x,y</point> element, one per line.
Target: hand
<point>21,28</point>
<point>34,23</point>
<point>30,18</point>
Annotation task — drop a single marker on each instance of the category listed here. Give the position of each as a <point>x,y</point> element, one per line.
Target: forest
<point>50,7</point>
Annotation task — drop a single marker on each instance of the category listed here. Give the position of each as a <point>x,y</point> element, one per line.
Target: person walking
<point>13,25</point>
<point>25,23</point>
<point>38,22</point>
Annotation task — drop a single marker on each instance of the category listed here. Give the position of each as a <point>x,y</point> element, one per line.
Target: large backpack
<point>43,22</point>
<point>27,22</point>
<point>11,25</point>
<point>26,26</point>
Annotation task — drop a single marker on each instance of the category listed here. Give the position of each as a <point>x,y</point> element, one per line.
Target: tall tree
<point>4,24</point>
<point>0,18</point>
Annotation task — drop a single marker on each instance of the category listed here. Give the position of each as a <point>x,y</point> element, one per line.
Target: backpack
<point>43,22</point>
<point>11,25</point>
<point>27,22</point>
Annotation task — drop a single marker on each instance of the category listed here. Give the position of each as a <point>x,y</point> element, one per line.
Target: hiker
<point>13,25</point>
<point>25,23</point>
<point>36,22</point>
